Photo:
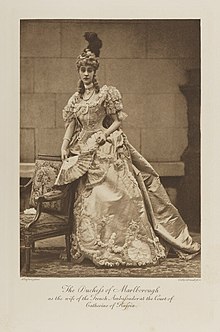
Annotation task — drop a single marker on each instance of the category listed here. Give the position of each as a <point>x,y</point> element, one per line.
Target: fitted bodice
<point>90,114</point>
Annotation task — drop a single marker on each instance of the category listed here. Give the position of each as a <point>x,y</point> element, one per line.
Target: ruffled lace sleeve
<point>113,103</point>
<point>69,110</point>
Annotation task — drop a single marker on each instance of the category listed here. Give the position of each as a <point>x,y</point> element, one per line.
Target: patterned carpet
<point>47,263</point>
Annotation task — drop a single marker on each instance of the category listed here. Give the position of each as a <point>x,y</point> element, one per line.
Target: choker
<point>89,87</point>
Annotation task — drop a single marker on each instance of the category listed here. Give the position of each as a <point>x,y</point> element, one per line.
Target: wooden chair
<point>54,212</point>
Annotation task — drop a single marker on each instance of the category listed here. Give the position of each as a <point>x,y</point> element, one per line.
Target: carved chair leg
<point>22,259</point>
<point>33,246</point>
<point>68,247</point>
<point>27,252</point>
<point>28,258</point>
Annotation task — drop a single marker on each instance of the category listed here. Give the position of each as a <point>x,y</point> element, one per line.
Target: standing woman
<point>122,214</point>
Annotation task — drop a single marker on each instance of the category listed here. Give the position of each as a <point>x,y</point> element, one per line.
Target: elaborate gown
<point>122,213</point>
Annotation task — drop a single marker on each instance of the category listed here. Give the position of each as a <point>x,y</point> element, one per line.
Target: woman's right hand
<point>64,154</point>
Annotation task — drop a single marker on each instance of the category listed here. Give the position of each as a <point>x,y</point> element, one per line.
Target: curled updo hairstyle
<point>90,57</point>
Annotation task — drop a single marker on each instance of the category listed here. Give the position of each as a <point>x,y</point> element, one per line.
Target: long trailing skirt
<point>122,213</point>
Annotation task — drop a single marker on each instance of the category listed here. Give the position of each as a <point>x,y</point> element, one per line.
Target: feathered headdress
<point>90,55</point>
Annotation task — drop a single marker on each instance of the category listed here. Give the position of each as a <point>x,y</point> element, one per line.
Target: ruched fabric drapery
<point>122,213</point>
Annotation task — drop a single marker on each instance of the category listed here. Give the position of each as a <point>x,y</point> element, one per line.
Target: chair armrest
<point>24,187</point>
<point>36,216</point>
<point>53,195</point>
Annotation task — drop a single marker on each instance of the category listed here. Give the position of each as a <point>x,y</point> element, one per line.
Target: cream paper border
<point>23,302</point>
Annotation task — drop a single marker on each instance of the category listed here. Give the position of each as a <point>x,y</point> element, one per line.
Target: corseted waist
<point>88,132</point>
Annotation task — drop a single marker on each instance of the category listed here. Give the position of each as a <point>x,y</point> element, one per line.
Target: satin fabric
<point>122,213</point>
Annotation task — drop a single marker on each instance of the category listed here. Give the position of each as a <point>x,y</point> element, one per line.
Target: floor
<point>46,262</point>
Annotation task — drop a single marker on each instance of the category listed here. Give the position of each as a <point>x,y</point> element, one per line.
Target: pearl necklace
<point>89,94</point>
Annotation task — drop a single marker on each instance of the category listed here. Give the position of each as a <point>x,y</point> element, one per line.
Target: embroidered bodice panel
<point>90,114</point>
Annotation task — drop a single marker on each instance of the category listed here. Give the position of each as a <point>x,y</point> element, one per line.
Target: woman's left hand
<point>101,138</point>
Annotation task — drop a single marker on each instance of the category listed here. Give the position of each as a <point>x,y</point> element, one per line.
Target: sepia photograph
<point>110,148</point>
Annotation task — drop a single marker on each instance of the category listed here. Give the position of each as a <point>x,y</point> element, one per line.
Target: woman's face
<point>86,74</point>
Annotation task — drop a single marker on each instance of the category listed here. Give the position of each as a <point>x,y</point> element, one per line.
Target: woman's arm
<point>114,126</point>
<point>67,138</point>
<point>101,139</point>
